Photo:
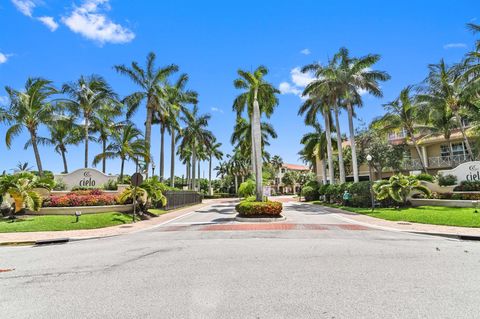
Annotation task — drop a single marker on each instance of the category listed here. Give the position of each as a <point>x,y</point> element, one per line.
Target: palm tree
<point>213,151</point>
<point>315,146</point>
<point>222,169</point>
<point>403,114</point>
<point>126,144</point>
<point>311,108</point>
<point>259,98</point>
<point>86,96</point>
<point>342,79</point>
<point>176,98</point>
<point>28,110</point>
<point>446,86</point>
<point>62,133</point>
<point>195,135</point>
<point>105,125</point>
<point>242,136</point>
<point>276,162</point>
<point>185,155</point>
<point>148,79</point>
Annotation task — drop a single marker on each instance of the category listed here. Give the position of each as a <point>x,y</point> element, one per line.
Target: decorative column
<point>425,155</point>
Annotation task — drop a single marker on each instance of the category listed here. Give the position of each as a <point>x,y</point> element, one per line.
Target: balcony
<point>438,162</point>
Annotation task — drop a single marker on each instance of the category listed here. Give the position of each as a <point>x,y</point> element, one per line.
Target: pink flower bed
<point>81,198</point>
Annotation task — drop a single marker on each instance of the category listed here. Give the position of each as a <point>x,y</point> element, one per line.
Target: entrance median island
<point>251,211</point>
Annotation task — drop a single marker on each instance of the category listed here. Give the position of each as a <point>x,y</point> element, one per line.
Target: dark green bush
<point>248,208</point>
<point>323,189</point>
<point>468,186</point>
<point>447,180</point>
<point>425,177</point>
<point>309,193</point>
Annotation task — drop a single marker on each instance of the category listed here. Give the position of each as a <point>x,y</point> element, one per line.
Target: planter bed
<point>84,209</point>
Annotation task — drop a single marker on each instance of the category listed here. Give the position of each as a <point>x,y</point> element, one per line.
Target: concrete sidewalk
<point>31,237</point>
<point>403,226</point>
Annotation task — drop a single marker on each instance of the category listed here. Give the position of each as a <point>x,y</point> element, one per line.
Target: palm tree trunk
<point>148,132</point>
<point>172,159</point>
<point>188,173</point>
<point>64,159</point>
<point>420,156</point>
<point>236,183</point>
<point>122,165</point>
<point>464,134</point>
<point>324,171</point>
<point>210,191</point>
<point>162,152</point>
<point>104,159</point>
<point>341,165</point>
<point>86,140</point>
<point>353,146</point>
<point>193,168</point>
<point>328,135</point>
<point>37,153</point>
<point>198,176</point>
<point>258,148</point>
<point>252,155</point>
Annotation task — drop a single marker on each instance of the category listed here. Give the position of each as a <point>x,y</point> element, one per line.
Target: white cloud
<point>89,21</point>
<point>24,6</point>
<point>305,51</point>
<point>49,22</point>
<point>4,100</point>
<point>287,88</point>
<point>454,46</point>
<point>216,109</point>
<point>3,57</point>
<point>301,79</point>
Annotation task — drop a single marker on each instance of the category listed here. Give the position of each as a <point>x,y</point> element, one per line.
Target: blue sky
<point>210,40</point>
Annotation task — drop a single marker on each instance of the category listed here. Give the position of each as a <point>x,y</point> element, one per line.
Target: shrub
<point>248,208</point>
<point>81,199</point>
<point>425,177</point>
<point>398,187</point>
<point>310,193</point>
<point>59,185</point>
<point>323,189</point>
<point>447,180</point>
<point>111,185</point>
<point>468,186</point>
<point>246,188</point>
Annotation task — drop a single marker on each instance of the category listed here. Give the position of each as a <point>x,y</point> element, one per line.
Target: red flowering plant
<point>92,197</point>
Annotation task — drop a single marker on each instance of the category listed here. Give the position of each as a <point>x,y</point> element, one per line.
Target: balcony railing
<point>438,162</point>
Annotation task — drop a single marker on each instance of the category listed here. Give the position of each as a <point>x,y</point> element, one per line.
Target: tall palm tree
<point>403,114</point>
<point>194,135</point>
<point>258,98</point>
<point>62,133</point>
<point>342,79</point>
<point>213,152</point>
<point>242,136</point>
<point>176,98</point>
<point>277,163</point>
<point>127,144</point>
<point>148,79</point>
<point>315,146</point>
<point>86,96</point>
<point>446,86</point>
<point>313,106</point>
<point>105,125</point>
<point>222,169</point>
<point>185,155</point>
<point>28,110</point>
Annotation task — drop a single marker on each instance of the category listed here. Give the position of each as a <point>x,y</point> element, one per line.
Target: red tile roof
<point>296,167</point>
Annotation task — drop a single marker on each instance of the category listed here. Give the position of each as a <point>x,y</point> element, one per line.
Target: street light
<point>153,168</point>
<point>372,195</point>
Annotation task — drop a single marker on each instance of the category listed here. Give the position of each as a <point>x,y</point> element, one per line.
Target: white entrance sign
<point>469,171</point>
<point>85,177</point>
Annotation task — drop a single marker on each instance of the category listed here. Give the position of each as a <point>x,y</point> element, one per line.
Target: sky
<point>211,40</point>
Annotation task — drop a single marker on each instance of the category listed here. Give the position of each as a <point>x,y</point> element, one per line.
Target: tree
<point>28,110</point>
<point>213,151</point>
<point>341,80</point>
<point>403,114</point>
<point>62,133</point>
<point>148,79</point>
<point>126,144</point>
<point>276,162</point>
<point>313,106</point>
<point>176,97</point>
<point>242,136</point>
<point>399,187</point>
<point>259,98</point>
<point>291,178</point>
<point>86,96</point>
<point>315,146</point>
<point>194,135</point>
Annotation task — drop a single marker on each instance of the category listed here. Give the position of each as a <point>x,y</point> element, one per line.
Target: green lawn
<point>449,216</point>
<point>58,222</point>
<point>157,212</point>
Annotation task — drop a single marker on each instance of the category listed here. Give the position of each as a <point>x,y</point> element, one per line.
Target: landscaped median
<point>249,209</point>
<point>434,215</point>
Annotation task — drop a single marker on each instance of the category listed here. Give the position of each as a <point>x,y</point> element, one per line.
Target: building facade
<point>281,188</point>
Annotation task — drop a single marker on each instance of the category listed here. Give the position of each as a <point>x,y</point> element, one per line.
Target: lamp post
<point>370,177</point>
<point>153,168</point>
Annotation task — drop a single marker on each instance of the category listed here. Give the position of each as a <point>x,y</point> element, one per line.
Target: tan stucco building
<point>279,186</point>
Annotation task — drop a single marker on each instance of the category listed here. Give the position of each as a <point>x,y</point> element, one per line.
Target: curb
<point>260,219</point>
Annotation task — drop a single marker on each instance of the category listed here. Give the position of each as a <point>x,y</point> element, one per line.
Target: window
<point>283,170</point>
<point>458,149</point>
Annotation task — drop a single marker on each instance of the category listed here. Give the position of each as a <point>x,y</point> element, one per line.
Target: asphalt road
<point>203,265</point>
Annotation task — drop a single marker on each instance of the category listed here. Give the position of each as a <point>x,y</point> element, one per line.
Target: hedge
<point>310,193</point>
<point>248,208</point>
